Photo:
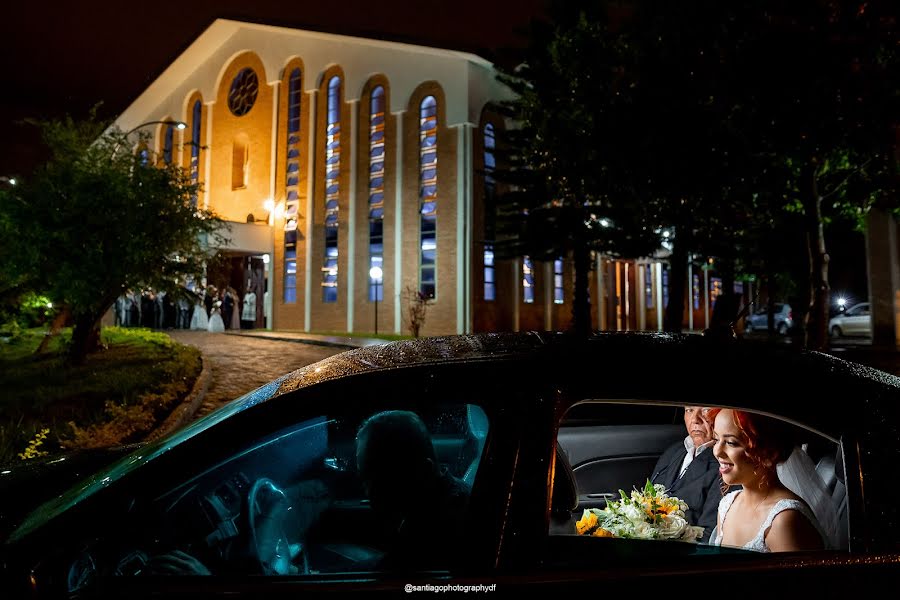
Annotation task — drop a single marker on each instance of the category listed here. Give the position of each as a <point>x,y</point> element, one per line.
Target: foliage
<point>115,397</point>
<point>417,305</point>
<point>97,219</point>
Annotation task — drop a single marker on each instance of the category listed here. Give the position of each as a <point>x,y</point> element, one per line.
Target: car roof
<point>681,368</point>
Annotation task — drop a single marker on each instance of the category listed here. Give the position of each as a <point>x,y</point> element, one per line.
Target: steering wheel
<point>267,511</point>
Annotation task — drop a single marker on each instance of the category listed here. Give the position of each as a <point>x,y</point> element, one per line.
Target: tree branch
<point>844,182</point>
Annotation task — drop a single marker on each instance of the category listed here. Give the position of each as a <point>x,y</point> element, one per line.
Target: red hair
<point>767,441</point>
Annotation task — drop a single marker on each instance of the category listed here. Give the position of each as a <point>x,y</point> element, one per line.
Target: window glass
<point>334,493</point>
<point>605,447</point>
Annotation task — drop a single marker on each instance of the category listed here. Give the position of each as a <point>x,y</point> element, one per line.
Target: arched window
<point>167,144</point>
<point>376,192</point>
<point>490,144</point>
<point>291,187</point>
<point>527,281</point>
<point>332,190</point>
<point>428,196</point>
<point>196,117</point>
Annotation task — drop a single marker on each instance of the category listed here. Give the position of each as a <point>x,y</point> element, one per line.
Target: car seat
<point>477,431</point>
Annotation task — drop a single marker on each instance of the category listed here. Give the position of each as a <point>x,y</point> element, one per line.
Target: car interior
<point>289,504</point>
<point>605,447</point>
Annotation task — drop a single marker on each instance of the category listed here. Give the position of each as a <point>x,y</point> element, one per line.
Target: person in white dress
<point>765,515</point>
<point>216,324</point>
<point>199,319</point>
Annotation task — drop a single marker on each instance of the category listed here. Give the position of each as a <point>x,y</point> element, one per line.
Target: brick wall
<point>441,315</point>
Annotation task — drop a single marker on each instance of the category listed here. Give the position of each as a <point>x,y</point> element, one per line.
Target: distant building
<point>331,155</point>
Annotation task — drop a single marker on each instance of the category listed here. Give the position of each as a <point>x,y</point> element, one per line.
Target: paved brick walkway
<point>242,363</point>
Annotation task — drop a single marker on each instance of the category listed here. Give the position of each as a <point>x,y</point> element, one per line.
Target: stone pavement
<point>241,363</point>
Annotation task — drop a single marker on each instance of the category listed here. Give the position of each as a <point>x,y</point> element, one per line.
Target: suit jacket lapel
<point>698,467</point>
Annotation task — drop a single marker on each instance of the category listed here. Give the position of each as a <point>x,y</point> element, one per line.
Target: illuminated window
<point>167,144</point>
<point>558,295</point>
<point>332,190</point>
<point>240,162</point>
<point>428,196</point>
<point>196,117</point>
<point>665,286</point>
<point>489,287</point>
<point>376,191</point>
<point>291,187</point>
<point>648,285</point>
<point>527,281</point>
<point>695,290</point>
<point>715,289</point>
<point>489,220</point>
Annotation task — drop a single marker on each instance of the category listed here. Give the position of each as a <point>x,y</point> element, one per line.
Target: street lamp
<point>375,273</point>
<point>9,180</point>
<point>179,125</point>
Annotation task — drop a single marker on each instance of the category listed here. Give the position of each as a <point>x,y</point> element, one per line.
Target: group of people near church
<point>209,309</point>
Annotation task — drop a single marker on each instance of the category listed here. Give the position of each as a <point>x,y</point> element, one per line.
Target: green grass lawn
<point>117,396</point>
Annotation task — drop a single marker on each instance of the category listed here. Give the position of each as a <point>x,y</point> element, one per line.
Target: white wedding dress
<point>216,324</point>
<point>758,543</point>
<point>199,320</point>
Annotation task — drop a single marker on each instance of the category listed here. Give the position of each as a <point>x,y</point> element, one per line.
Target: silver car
<point>759,321</point>
<point>856,320</point>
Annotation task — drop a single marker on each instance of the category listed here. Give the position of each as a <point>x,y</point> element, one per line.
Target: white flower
<point>672,528</point>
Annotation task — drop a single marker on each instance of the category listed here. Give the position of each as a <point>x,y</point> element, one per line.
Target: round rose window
<point>243,92</point>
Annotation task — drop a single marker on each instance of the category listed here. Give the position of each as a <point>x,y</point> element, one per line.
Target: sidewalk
<point>332,341</point>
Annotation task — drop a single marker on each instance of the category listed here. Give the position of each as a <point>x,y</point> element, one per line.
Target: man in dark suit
<point>690,472</point>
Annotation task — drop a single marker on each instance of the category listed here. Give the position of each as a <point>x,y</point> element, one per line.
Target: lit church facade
<point>354,173</point>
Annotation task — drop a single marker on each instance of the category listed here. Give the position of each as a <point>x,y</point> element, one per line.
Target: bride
<point>782,505</point>
<point>216,324</point>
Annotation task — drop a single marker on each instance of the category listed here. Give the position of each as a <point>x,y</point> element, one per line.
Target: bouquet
<point>649,514</point>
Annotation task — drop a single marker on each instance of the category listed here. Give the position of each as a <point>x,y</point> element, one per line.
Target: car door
<point>289,466</point>
<point>860,320</point>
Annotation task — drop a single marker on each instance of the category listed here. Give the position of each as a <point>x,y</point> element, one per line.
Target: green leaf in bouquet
<point>622,493</point>
<point>649,490</point>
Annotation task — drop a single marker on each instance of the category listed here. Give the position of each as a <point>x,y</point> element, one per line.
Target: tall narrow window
<point>428,196</point>
<point>240,162</point>
<point>558,294</point>
<point>527,281</point>
<point>695,289</point>
<point>715,289</point>
<point>490,290</point>
<point>665,286</point>
<point>196,116</point>
<point>489,212</point>
<point>648,285</point>
<point>332,190</point>
<point>376,192</point>
<point>291,188</point>
<point>167,144</point>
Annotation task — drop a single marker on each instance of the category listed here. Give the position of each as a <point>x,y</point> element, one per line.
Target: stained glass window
<point>428,196</point>
<point>376,191</point>
<point>332,190</point>
<point>291,187</point>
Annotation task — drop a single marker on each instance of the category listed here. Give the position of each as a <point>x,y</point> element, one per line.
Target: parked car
<point>855,321</point>
<point>759,321</point>
<point>263,497</point>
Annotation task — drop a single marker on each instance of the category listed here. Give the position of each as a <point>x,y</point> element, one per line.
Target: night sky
<point>65,56</point>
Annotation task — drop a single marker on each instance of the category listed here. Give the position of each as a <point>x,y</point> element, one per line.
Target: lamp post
<point>375,273</point>
<point>179,125</point>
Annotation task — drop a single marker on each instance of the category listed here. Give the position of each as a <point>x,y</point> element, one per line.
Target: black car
<point>263,496</point>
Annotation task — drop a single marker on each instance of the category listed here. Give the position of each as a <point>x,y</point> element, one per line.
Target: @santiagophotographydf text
<point>428,587</point>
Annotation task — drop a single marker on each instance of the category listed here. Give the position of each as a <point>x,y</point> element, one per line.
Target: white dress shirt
<point>692,453</point>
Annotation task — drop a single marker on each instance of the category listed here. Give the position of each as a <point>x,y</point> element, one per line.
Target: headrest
<point>564,498</point>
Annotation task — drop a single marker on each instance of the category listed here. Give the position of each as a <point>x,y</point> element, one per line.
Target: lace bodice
<point>758,543</point>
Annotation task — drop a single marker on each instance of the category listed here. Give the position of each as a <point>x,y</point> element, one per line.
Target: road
<point>240,364</point>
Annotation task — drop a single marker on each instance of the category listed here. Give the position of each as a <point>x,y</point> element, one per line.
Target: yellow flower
<point>587,522</point>
<point>603,533</point>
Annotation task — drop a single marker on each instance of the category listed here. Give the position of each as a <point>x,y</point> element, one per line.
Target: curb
<point>296,340</point>
<point>183,413</point>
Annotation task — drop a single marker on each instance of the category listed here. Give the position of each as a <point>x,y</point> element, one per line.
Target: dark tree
<point>97,219</point>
